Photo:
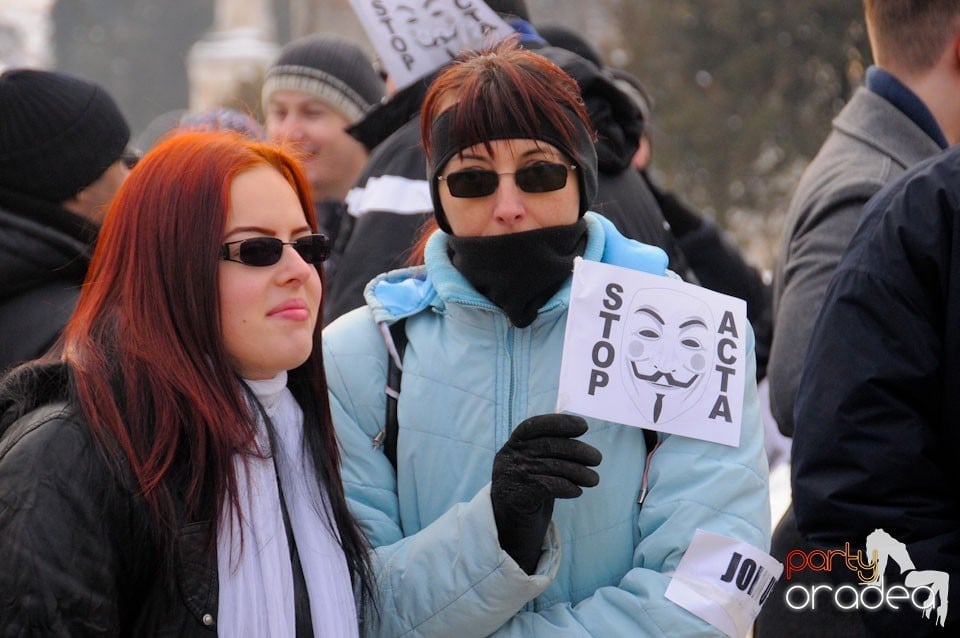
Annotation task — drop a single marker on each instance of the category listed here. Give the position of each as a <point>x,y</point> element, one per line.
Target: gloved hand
<point>629,253</point>
<point>539,463</point>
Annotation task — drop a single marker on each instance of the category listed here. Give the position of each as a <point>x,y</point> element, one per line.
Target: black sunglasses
<point>130,156</point>
<point>266,251</point>
<point>536,178</point>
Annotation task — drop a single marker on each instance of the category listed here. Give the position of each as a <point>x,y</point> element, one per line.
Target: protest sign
<point>416,37</point>
<point>654,352</point>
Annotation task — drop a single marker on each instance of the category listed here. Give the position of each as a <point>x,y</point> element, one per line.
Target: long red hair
<point>151,374</point>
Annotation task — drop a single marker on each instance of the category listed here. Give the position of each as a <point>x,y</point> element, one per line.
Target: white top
<point>256,579</point>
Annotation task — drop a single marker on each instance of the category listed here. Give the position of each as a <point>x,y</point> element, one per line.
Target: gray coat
<point>872,143</point>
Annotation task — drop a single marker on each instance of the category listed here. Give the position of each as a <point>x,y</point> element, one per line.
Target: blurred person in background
<point>173,470</point>
<point>623,196</point>
<point>62,150</point>
<point>908,111</point>
<point>318,86</point>
<point>222,118</point>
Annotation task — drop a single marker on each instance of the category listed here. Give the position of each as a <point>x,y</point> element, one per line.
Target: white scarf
<point>256,585</point>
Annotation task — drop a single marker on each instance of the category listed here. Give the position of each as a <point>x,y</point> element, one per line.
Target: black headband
<point>446,144</point>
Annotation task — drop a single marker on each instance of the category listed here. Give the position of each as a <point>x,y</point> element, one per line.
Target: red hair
<point>151,373</point>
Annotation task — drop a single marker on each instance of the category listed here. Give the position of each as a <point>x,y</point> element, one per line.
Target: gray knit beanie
<point>58,133</point>
<point>329,67</point>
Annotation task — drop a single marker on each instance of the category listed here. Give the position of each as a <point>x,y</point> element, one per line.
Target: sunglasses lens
<point>266,251</point>
<point>314,249</point>
<point>260,251</point>
<point>472,183</point>
<point>542,178</point>
<point>538,178</point>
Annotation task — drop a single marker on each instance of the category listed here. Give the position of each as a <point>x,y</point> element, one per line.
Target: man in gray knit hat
<point>319,85</point>
<point>62,141</point>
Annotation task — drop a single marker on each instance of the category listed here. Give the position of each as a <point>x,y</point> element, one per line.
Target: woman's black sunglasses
<point>536,178</point>
<point>266,251</point>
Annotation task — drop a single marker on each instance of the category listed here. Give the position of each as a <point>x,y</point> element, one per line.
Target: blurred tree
<point>744,91</point>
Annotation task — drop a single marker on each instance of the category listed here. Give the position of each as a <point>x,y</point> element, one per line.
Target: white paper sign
<point>416,37</point>
<point>654,352</point>
<point>724,581</point>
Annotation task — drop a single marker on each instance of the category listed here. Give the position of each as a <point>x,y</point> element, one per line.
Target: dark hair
<point>911,33</point>
<point>508,88</point>
<point>145,345</point>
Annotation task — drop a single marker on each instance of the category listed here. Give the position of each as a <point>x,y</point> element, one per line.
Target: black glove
<point>540,462</point>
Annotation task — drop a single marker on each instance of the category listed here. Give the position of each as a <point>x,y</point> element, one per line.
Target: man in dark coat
<point>61,145</point>
<point>879,383</point>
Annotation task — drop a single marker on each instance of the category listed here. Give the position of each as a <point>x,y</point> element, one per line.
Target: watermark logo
<point>923,590</point>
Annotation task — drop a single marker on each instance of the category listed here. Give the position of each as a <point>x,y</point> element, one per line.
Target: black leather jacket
<point>78,554</point>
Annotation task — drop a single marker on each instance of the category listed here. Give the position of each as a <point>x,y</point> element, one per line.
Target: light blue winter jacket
<point>469,377</point>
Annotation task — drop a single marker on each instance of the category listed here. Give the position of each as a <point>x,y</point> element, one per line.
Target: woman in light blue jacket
<point>500,517</point>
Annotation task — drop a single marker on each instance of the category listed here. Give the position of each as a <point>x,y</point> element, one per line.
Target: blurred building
<point>234,54</point>
<point>25,33</point>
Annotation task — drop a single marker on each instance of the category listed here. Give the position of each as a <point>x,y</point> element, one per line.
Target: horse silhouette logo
<point>883,547</point>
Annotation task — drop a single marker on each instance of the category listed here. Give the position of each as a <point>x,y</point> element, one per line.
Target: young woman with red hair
<point>174,470</point>
<point>493,514</point>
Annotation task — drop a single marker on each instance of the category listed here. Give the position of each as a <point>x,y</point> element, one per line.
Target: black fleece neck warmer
<point>519,272</point>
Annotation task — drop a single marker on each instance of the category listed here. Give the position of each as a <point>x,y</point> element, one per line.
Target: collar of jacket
<point>29,386</point>
<point>49,214</point>
<point>890,88</point>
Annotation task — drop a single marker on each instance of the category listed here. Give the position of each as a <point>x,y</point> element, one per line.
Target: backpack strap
<point>396,344</point>
<point>395,348</point>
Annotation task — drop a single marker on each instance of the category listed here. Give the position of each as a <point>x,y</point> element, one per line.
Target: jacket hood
<point>40,243</point>
<point>615,117</point>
